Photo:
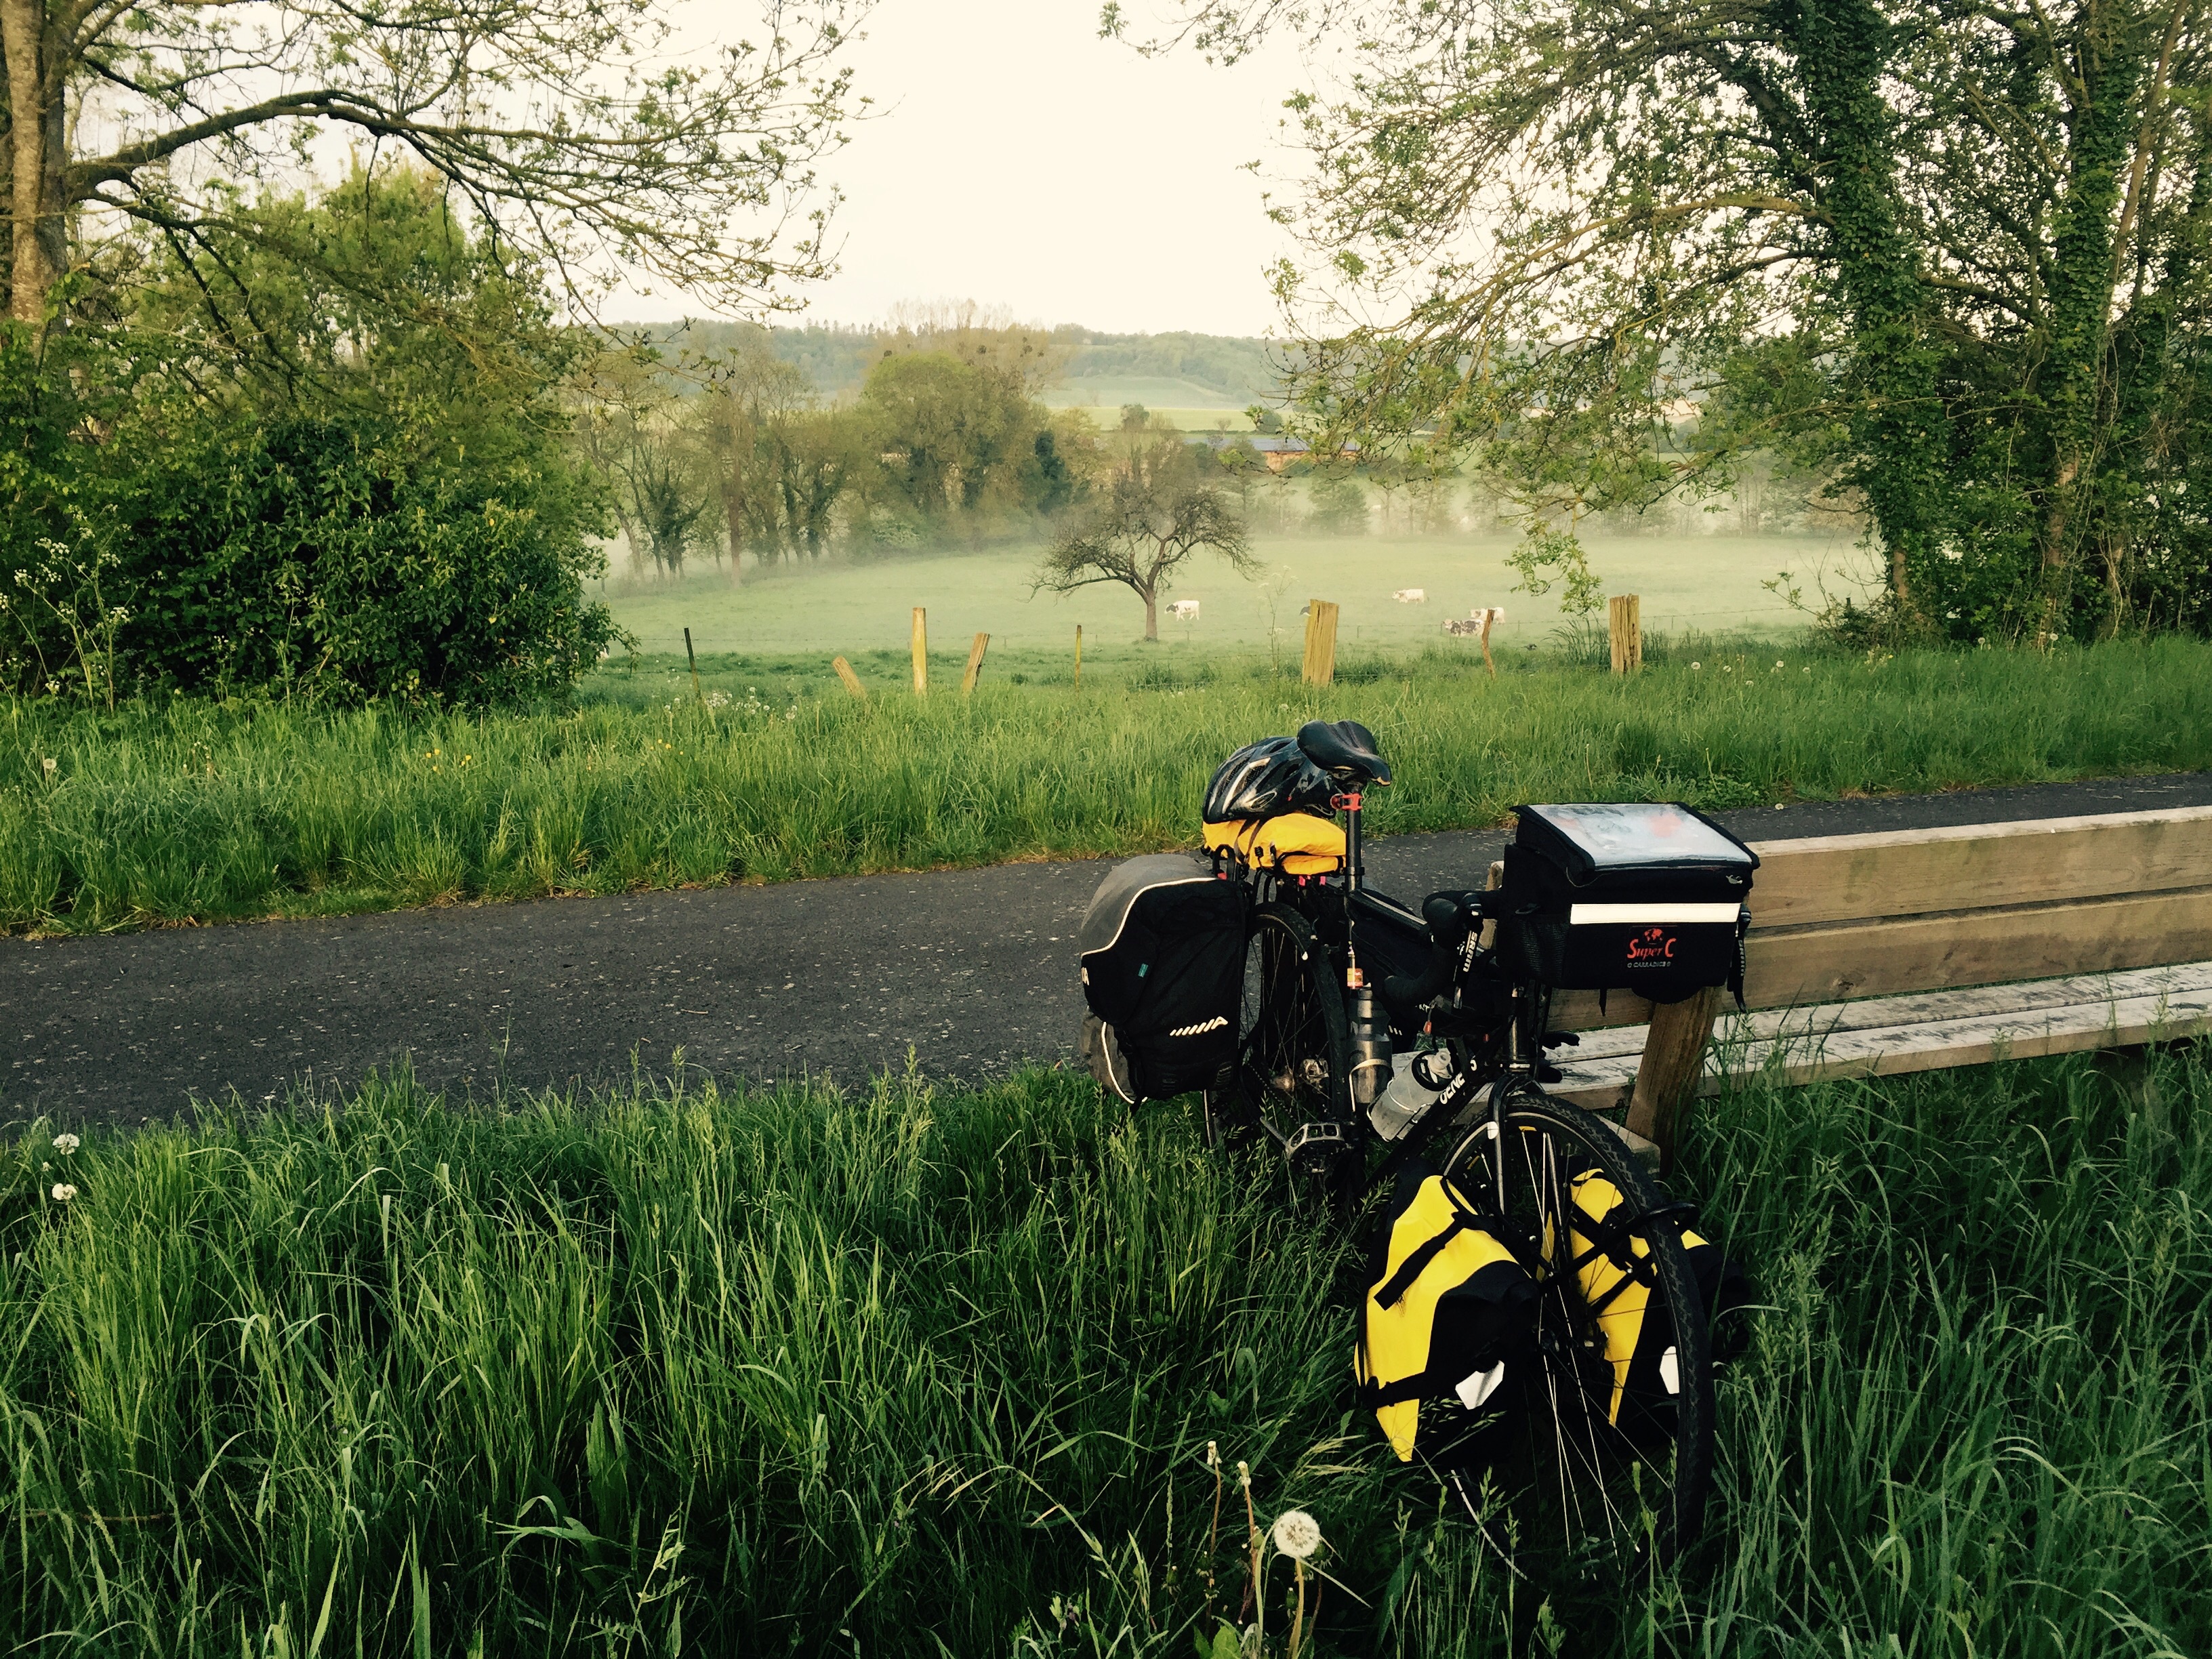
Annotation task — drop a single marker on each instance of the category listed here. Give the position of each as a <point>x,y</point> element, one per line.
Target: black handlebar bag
<point>1162,954</point>
<point>1626,895</point>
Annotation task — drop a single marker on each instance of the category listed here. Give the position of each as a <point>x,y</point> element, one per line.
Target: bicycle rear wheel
<point>1607,1463</point>
<point>1294,1050</point>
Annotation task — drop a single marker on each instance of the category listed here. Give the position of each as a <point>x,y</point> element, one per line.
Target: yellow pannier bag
<point>1613,1266</point>
<point>1234,837</point>
<point>1297,843</point>
<point>1448,1313</point>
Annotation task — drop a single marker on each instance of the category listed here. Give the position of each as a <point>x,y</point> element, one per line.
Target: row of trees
<point>1947,255</point>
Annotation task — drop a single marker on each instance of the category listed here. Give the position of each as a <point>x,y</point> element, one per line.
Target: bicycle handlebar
<point>1449,917</point>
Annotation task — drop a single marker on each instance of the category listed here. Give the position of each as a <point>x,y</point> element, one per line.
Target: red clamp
<point>1345,803</point>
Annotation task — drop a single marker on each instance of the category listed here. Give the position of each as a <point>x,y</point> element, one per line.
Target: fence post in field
<point>852,680</point>
<point>921,653</point>
<point>1489,615</point>
<point>1320,665</point>
<point>696,692</point>
<point>1626,625</point>
<point>1078,656</point>
<point>975,663</point>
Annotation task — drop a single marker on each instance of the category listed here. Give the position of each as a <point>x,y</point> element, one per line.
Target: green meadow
<point>1709,584</point>
<point>770,771</point>
<point>900,1371</point>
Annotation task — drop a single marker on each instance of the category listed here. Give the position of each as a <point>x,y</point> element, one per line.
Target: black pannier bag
<point>1630,895</point>
<point>1162,953</point>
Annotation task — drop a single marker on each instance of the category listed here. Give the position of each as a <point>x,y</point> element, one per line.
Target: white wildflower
<point>52,765</point>
<point>63,1191</point>
<point>1297,1534</point>
<point>66,1144</point>
<point>1696,666</point>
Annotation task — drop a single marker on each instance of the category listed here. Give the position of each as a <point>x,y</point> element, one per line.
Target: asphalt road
<point>971,970</point>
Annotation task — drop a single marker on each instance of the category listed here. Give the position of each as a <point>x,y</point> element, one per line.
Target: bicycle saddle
<point>1345,751</point>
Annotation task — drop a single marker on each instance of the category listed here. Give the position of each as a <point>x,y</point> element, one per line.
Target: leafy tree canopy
<point>1950,253</point>
<point>575,127</point>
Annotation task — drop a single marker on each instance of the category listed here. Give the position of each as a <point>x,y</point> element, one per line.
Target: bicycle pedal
<point>1314,1146</point>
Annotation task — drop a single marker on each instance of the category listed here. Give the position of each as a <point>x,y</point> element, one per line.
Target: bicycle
<point>1617,1474</point>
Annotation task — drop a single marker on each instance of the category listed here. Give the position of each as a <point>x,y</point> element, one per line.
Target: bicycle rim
<point>1293,1053</point>
<point>1605,1467</point>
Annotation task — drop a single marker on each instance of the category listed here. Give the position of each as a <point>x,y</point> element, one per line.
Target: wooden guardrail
<point>1901,951</point>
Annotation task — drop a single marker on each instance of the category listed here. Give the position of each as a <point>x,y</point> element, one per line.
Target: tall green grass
<point>201,812</point>
<point>905,1371</point>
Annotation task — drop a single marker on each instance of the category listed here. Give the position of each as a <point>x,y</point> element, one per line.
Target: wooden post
<point>852,680</point>
<point>1078,656</point>
<point>1320,665</point>
<point>695,692</point>
<point>1673,1064</point>
<point>975,663</point>
<point>1626,625</point>
<point>921,653</point>
<point>1489,615</point>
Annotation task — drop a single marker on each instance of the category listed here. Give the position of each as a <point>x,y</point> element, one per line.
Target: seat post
<point>1349,804</point>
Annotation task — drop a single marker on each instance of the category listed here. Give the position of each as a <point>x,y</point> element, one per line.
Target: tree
<point>261,482</point>
<point>568,125</point>
<point>958,438</point>
<point>1155,513</point>
<point>1948,253</point>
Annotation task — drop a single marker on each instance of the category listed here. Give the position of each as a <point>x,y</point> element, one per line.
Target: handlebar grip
<point>1410,990</point>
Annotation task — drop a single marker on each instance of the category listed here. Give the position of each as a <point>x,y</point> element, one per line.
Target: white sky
<point>1016,159</point>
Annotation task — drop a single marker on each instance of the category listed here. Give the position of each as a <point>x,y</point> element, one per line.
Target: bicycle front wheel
<point>1609,1460</point>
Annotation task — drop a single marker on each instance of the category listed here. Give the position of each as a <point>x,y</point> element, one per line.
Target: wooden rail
<point>1907,949</point>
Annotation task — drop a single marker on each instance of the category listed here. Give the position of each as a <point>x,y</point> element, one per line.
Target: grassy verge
<point>207,811</point>
<point>894,1371</point>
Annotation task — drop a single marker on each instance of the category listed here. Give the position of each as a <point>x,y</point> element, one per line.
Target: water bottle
<point>1416,1080</point>
<point>1370,1046</point>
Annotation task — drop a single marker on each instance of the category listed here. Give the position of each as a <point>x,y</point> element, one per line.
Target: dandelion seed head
<point>1297,1534</point>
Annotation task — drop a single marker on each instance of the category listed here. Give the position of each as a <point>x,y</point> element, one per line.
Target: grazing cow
<point>1184,610</point>
<point>1412,595</point>
<point>1477,619</point>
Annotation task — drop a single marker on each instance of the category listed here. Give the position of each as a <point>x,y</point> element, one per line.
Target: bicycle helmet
<point>1264,778</point>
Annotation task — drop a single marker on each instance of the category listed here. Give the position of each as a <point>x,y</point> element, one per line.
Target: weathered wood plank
<point>1973,866</point>
<point>1986,947</point>
<point>1890,1037</point>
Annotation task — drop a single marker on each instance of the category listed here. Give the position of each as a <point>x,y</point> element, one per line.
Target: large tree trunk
<point>1152,597</point>
<point>2081,282</point>
<point>1842,51</point>
<point>38,246</point>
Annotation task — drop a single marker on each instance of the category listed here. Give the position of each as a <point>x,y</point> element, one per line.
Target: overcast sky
<point>1016,159</point>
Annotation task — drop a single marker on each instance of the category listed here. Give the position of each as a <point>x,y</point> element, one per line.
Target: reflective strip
<point>1582,915</point>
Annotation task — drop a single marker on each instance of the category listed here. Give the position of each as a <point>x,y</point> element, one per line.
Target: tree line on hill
<point>1233,371</point>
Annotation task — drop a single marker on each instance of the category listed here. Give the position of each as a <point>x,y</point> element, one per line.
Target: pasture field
<point>898,1371</point>
<point>1108,392</point>
<point>202,812</point>
<point>1705,585</point>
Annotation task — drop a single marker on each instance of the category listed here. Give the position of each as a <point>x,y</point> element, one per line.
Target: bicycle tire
<point>1613,1476</point>
<point>1293,1064</point>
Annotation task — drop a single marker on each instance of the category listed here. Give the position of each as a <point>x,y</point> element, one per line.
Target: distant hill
<point>1162,371</point>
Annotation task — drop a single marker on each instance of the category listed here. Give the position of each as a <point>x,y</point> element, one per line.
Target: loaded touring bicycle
<point>1540,1323</point>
